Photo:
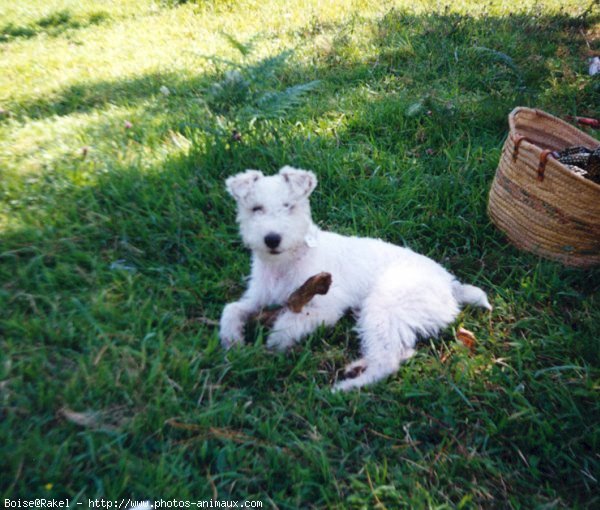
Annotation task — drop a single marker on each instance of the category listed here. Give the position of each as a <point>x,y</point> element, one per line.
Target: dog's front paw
<point>228,341</point>
<point>279,341</point>
<point>230,337</point>
<point>231,330</point>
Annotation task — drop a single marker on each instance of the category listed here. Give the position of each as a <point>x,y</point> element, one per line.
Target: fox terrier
<point>396,294</point>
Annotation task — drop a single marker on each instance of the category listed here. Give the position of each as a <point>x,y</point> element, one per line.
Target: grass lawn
<point>119,122</point>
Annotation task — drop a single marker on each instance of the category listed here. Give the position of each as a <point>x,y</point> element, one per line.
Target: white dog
<point>397,294</point>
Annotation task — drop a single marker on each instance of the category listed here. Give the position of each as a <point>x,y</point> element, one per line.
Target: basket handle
<point>517,139</point>
<point>543,160</point>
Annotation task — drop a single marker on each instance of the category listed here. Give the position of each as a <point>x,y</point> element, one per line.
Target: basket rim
<point>526,144</point>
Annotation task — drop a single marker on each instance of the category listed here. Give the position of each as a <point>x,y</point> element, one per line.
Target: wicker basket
<point>536,201</point>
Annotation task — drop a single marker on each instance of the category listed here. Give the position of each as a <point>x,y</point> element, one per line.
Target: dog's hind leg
<point>385,344</point>
<point>354,369</point>
<point>375,371</point>
<point>403,305</point>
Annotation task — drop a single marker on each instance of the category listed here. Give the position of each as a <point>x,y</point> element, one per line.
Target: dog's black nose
<point>272,240</point>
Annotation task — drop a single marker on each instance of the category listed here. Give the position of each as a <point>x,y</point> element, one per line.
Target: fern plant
<point>249,91</point>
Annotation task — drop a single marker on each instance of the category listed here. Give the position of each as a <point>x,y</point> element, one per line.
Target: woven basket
<point>539,203</point>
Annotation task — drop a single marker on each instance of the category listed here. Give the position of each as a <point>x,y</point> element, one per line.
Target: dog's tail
<point>469,294</point>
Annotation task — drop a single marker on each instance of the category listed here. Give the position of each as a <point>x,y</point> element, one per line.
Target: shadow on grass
<point>132,259</point>
<point>53,25</point>
<point>85,97</point>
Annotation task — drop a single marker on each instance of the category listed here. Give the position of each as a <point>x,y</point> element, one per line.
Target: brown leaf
<point>467,338</point>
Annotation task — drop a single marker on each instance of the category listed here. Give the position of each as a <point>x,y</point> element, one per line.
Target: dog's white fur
<point>397,294</point>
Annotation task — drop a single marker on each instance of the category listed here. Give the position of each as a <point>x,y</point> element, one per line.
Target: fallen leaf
<point>87,419</point>
<point>107,419</point>
<point>467,338</point>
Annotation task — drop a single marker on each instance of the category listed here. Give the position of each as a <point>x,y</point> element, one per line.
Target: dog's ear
<point>302,182</point>
<point>239,185</point>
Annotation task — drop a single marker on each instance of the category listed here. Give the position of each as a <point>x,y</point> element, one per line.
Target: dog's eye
<point>258,208</point>
<point>288,206</point>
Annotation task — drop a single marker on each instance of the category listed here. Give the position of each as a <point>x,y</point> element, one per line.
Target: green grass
<point>118,249</point>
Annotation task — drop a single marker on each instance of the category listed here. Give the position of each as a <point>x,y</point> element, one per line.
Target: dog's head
<point>273,211</point>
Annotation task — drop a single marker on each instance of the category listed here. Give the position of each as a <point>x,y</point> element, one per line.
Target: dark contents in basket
<point>582,161</point>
